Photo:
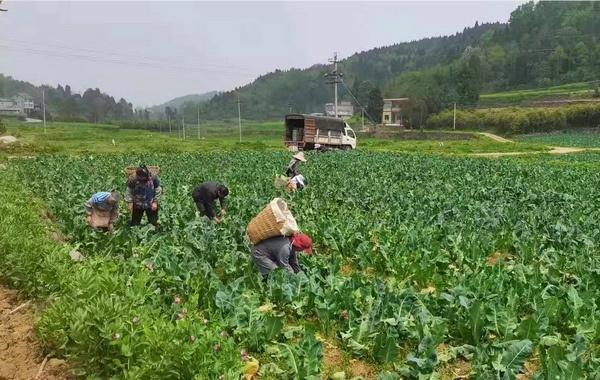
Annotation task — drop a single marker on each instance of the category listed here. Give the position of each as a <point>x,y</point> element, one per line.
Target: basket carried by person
<point>274,220</point>
<point>99,219</point>
<point>281,181</point>
<point>129,171</point>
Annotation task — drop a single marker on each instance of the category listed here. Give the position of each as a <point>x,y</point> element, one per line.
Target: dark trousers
<point>206,209</point>
<point>137,213</point>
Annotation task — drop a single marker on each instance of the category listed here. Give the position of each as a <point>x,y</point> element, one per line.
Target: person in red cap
<point>280,252</point>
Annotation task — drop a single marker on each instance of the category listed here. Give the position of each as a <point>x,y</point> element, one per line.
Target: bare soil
<point>495,137</point>
<point>334,360</point>
<point>20,357</point>
<point>458,368</point>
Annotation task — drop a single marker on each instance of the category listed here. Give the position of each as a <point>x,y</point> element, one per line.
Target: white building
<point>17,105</point>
<point>345,110</point>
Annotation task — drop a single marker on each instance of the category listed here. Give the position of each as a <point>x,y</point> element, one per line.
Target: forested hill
<point>544,43</point>
<point>63,104</point>
<point>159,110</point>
<point>305,90</point>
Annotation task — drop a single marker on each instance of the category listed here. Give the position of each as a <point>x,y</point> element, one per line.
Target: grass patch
<point>84,138</point>
<point>571,90</point>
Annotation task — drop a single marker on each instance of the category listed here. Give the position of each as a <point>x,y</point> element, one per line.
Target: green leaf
<point>514,357</point>
<point>385,349</point>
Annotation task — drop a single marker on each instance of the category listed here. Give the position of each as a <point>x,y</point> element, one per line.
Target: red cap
<point>302,242</point>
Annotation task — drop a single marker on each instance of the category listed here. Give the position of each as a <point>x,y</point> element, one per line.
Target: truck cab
<point>306,132</point>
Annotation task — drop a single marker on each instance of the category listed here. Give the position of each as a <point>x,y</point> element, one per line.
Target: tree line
<point>62,104</point>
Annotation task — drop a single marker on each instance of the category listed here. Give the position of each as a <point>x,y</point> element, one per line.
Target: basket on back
<point>281,181</point>
<point>129,171</point>
<point>274,220</point>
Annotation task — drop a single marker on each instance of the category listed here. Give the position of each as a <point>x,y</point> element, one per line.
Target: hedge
<point>519,120</point>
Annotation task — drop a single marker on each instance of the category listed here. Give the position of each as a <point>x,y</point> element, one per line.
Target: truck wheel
<point>346,147</point>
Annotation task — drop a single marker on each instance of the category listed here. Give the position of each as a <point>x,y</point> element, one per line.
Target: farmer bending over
<point>296,183</point>
<point>204,196</point>
<point>292,168</point>
<point>102,210</point>
<point>280,252</point>
<point>143,196</point>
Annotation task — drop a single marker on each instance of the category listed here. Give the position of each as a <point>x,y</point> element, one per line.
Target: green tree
<point>375,104</point>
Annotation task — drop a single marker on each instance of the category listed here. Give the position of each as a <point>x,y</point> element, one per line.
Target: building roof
<point>394,99</point>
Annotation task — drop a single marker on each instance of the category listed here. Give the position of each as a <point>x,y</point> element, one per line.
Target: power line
<point>120,55</point>
<point>100,59</point>
<point>357,102</point>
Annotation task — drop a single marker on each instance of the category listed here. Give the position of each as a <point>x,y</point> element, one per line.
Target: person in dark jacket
<point>280,252</point>
<point>292,168</point>
<point>204,196</point>
<point>142,196</point>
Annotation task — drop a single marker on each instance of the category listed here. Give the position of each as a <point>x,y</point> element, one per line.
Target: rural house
<point>17,105</point>
<point>392,111</point>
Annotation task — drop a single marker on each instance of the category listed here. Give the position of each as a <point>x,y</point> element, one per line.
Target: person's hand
<point>154,206</point>
<point>88,219</point>
<point>130,207</point>
<point>217,220</point>
<point>110,227</point>
<point>223,212</point>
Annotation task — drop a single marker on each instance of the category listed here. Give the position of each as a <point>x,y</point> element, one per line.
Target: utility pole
<point>44,109</point>
<point>239,117</point>
<point>183,125</point>
<point>169,120</point>
<point>198,120</point>
<point>334,78</point>
<point>454,123</point>
<point>363,117</point>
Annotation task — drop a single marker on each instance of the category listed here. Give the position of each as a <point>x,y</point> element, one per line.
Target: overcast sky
<point>150,52</point>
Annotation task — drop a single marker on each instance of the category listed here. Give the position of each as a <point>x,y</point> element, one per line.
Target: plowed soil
<point>20,357</point>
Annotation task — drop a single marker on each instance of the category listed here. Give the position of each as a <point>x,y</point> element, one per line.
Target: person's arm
<point>157,190</point>
<point>283,255</point>
<point>114,215</point>
<point>210,212</point>
<point>293,260</point>
<point>89,207</point>
<point>129,196</point>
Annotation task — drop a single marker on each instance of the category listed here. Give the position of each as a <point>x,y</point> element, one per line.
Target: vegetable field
<point>422,265</point>
<point>578,139</point>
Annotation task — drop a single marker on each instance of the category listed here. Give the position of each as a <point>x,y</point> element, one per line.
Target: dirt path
<point>495,137</point>
<point>20,358</point>
<point>565,150</point>
<point>553,150</point>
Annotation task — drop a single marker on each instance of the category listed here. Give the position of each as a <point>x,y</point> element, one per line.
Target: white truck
<point>307,132</point>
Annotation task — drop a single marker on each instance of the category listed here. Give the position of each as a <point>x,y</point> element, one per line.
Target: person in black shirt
<point>292,168</point>
<point>204,196</point>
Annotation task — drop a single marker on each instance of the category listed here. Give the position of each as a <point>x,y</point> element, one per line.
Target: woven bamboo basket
<point>274,220</point>
<point>281,181</point>
<point>129,171</point>
<point>99,219</point>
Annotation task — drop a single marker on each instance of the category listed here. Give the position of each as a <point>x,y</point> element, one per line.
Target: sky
<point>151,52</point>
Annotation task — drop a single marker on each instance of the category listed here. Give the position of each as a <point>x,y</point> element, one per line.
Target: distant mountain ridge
<point>181,100</point>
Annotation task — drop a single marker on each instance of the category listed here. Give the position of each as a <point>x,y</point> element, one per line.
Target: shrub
<point>519,120</point>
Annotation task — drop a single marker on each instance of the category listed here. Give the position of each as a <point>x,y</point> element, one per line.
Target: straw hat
<point>300,156</point>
